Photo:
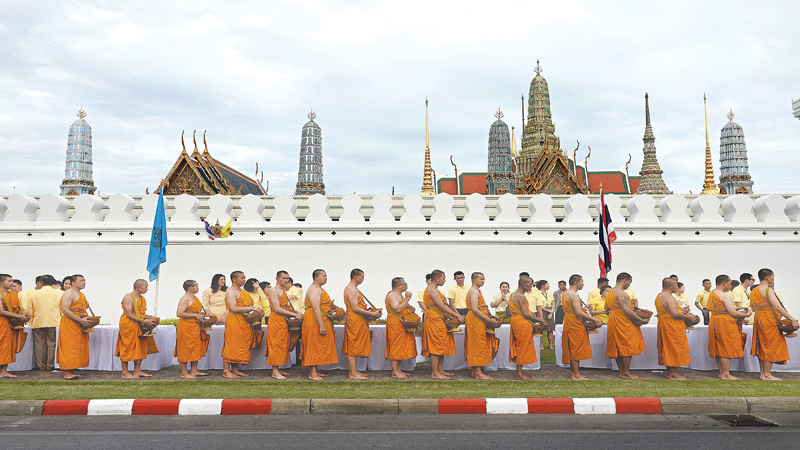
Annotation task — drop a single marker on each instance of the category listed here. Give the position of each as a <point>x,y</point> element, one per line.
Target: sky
<point>249,73</point>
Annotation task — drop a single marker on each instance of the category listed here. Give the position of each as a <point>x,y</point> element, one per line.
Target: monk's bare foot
<point>629,376</point>
<point>439,377</point>
<point>73,377</point>
<point>230,375</point>
<point>399,376</point>
<point>317,378</point>
<point>141,374</point>
<point>239,372</point>
<point>130,376</point>
<point>278,376</point>
<point>187,376</point>
<point>770,377</point>
<point>286,374</point>
<point>483,376</point>
<point>447,374</point>
<point>523,377</point>
<point>579,378</point>
<point>677,377</point>
<point>8,375</point>
<point>358,376</point>
<point>199,374</point>
<point>323,374</point>
<point>728,377</point>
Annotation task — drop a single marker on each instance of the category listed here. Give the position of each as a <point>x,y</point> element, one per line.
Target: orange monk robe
<point>435,338</point>
<point>400,344</point>
<point>191,339</point>
<point>238,333</point>
<point>480,347</point>
<point>11,341</point>
<point>769,344</point>
<point>575,345</point>
<point>623,338</point>
<point>357,337</point>
<point>522,349</point>
<point>278,336</point>
<point>673,345</point>
<point>724,337</point>
<point>131,345</point>
<point>318,350</point>
<point>73,344</point>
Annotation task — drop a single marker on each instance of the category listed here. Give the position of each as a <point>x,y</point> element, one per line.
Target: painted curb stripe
<point>645,405</point>
<point>506,406</point>
<point>156,407</point>
<point>65,407</point>
<point>594,406</point>
<point>462,406</point>
<point>550,406</point>
<point>200,407</point>
<point>246,406</point>
<point>110,407</point>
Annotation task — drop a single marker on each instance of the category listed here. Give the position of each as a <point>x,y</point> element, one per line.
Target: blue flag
<point>158,240</point>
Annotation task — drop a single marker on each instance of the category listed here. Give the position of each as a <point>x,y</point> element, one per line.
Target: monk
<point>724,336</point>
<point>769,344</point>
<point>11,340</point>
<point>624,337</point>
<point>191,339</point>
<point>521,349</point>
<point>132,344</point>
<point>357,337</point>
<point>673,345</point>
<point>480,346</point>
<point>575,345</point>
<point>436,341</point>
<point>278,335</point>
<point>400,342</point>
<point>72,351</point>
<point>319,340</point>
<point>238,331</point>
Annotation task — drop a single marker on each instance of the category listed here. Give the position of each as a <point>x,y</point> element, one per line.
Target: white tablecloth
<point>500,362</point>
<point>698,346</point>
<point>213,358</point>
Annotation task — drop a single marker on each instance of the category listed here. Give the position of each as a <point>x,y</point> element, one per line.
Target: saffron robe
<point>435,338</point>
<point>131,345</point>
<point>575,345</point>
<point>623,338</point>
<point>318,350</point>
<point>480,347</point>
<point>278,337</point>
<point>238,332</point>
<point>724,337</point>
<point>400,344</point>
<point>522,349</point>
<point>672,343</point>
<point>769,344</point>
<point>11,340</point>
<point>357,337</point>
<point>72,351</point>
<point>191,340</point>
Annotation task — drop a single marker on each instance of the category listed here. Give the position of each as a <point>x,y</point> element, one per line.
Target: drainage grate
<point>743,421</point>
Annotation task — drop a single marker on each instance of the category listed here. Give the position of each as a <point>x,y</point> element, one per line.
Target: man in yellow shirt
<point>632,296</point>
<point>299,301</point>
<point>741,293</point>
<point>45,305</point>
<point>25,297</point>
<point>595,293</point>
<point>457,295</point>
<point>701,302</point>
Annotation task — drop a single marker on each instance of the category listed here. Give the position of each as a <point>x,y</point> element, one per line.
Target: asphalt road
<point>392,431</point>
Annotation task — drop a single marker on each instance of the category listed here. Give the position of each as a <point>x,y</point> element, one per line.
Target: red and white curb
<point>215,407</point>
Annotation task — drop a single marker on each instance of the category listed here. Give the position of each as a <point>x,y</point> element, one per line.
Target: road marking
<point>26,421</point>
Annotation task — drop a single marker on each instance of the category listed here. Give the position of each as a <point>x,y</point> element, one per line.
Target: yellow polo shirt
<point>261,300</point>
<point>534,300</point>
<point>702,298</point>
<point>741,295</point>
<point>459,296</point>
<point>25,299</point>
<point>682,299</point>
<point>593,294</point>
<point>298,304</point>
<point>503,305</point>
<point>598,304</point>
<point>46,307</point>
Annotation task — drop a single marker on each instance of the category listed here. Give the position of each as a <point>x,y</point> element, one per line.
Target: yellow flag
<point>226,230</point>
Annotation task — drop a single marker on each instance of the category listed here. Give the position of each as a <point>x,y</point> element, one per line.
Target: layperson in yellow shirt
<point>457,295</point>
<point>597,306</point>
<point>214,298</point>
<point>259,298</point>
<point>500,302</point>
<point>632,296</point>
<point>741,293</point>
<point>262,290</point>
<point>544,296</point>
<point>296,297</point>
<point>683,299</point>
<point>701,301</point>
<point>45,305</point>
<point>595,293</point>
<point>25,297</point>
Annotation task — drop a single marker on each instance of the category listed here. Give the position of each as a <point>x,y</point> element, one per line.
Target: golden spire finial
<point>709,186</point>
<point>182,144</point>
<point>513,144</point>
<point>312,115</point>
<point>204,142</point>
<point>730,115</point>
<point>427,178</point>
<point>538,68</point>
<point>499,114</point>
<point>194,139</point>
<point>81,113</point>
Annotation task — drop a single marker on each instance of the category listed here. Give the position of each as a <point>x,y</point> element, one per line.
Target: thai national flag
<point>208,230</point>
<point>607,236</point>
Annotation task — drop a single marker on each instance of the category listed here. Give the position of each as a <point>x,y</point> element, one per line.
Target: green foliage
<point>170,321</point>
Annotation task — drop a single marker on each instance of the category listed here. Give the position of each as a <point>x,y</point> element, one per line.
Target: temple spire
<point>646,110</point>
<point>427,178</point>
<point>709,186</point>
<point>78,169</point>
<point>513,144</point>
<point>522,97</point>
<point>652,182</point>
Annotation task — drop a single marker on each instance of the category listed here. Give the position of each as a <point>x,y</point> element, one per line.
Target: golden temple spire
<point>513,144</point>
<point>730,115</point>
<point>538,68</point>
<point>205,151</point>
<point>182,144</point>
<point>81,113</point>
<point>427,179</point>
<point>196,152</point>
<point>709,186</point>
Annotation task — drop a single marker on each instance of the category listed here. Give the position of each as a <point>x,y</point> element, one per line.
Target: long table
<point>698,346</point>
<point>103,341</point>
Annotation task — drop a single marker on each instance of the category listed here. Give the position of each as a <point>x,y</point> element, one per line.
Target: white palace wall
<point>107,240</point>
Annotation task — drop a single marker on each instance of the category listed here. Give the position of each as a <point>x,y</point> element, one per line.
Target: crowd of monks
<point>306,323</point>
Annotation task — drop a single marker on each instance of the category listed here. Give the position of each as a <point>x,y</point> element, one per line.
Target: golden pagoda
<point>709,186</point>
<point>427,177</point>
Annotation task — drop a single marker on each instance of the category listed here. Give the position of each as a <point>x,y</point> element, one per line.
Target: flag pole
<point>155,300</point>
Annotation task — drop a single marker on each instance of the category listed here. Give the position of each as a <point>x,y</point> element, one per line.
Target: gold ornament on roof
<point>312,115</point>
<point>81,113</point>
<point>730,115</point>
<point>538,68</point>
<point>499,114</point>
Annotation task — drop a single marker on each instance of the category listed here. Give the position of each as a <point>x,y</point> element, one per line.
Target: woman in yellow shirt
<point>214,298</point>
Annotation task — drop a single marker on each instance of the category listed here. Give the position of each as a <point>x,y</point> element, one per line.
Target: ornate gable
<point>551,174</point>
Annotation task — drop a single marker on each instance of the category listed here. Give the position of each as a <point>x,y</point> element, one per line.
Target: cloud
<point>249,74</point>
